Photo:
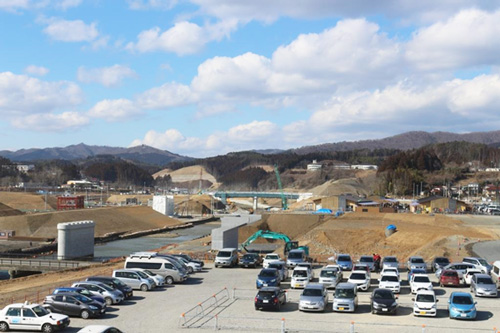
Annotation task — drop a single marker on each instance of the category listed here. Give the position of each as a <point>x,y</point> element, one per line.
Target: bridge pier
<point>255,202</point>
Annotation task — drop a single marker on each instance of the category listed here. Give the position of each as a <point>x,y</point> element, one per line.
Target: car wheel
<point>4,327</point>
<point>169,280</point>
<point>190,270</point>
<point>47,328</point>
<point>144,287</point>
<point>109,301</point>
<point>85,314</point>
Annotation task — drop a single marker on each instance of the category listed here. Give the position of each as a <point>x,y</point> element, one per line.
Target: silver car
<point>313,298</point>
<point>135,279</point>
<point>157,278</point>
<point>390,261</point>
<point>416,262</point>
<point>330,277</point>
<point>110,295</point>
<point>483,285</point>
<point>345,297</point>
<point>368,261</point>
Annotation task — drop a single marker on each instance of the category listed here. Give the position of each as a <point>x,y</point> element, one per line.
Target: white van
<point>495,272</point>
<point>135,279</point>
<point>156,264</point>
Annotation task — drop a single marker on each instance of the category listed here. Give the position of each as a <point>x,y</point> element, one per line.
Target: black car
<point>190,259</point>
<point>74,304</point>
<point>270,298</point>
<point>383,301</point>
<point>250,260</point>
<point>113,283</point>
<point>439,263</point>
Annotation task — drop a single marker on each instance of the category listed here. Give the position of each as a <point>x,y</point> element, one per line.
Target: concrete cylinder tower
<point>75,240</point>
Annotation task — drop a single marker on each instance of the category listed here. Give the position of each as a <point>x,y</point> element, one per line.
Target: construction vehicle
<point>284,202</point>
<point>266,234</point>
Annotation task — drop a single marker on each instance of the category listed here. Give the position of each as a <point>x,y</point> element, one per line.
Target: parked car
<point>295,256</point>
<point>460,267</point>
<point>134,279</point>
<point>383,301</point>
<point>309,267</point>
<point>164,266</point>
<point>461,305</point>
<point>249,260</point>
<point>390,281</point>
<point>480,263</point>
<point>425,303</point>
<point>157,278</point>
<point>99,329</point>
<point>226,258</point>
<point>469,273</point>
<point>361,279</point>
<point>345,298</point>
<point>495,272</point>
<point>81,291</point>
<point>368,261</point>
<point>419,282</point>
<point>192,267</point>
<point>300,277</point>
<point>415,271</point>
<point>449,278</point>
<point>268,277</point>
<point>111,295</point>
<point>439,262</point>
<point>113,283</point>
<point>483,285</point>
<point>313,298</point>
<point>344,261</point>
<point>270,257</point>
<point>73,304</point>
<point>387,270</point>
<point>25,316</point>
<point>281,267</point>
<point>361,267</point>
<point>191,259</point>
<point>390,261</point>
<point>270,298</point>
<point>330,277</point>
<point>415,262</point>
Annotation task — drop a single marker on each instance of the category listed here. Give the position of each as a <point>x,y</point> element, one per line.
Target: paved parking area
<point>160,310</point>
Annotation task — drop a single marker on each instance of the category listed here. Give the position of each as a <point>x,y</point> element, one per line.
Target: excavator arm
<point>264,234</point>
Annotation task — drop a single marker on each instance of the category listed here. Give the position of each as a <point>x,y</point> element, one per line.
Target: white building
<point>314,166</point>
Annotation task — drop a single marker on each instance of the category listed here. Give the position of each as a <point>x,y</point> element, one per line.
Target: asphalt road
<point>160,310</point>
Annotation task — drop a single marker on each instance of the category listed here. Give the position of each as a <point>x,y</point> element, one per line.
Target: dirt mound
<point>187,174</point>
<point>8,211</point>
<point>112,219</point>
<point>23,200</point>
<point>354,186</point>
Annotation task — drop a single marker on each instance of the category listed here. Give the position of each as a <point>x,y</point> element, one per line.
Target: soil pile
<point>8,211</point>
<point>23,200</point>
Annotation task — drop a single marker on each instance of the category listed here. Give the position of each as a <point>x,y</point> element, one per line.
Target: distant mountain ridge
<point>405,141</point>
<point>142,154</point>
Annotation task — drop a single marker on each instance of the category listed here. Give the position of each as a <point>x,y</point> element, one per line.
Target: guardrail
<point>203,309</point>
<point>38,263</point>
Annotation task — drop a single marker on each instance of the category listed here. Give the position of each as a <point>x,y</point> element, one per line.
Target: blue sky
<point>207,77</point>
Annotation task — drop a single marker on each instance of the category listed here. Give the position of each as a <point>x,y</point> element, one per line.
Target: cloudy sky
<point>207,77</point>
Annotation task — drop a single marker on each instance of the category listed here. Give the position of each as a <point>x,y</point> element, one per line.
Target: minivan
<point>495,272</point>
<point>157,264</point>
<point>345,298</point>
<point>135,279</point>
<point>226,258</point>
<point>294,257</point>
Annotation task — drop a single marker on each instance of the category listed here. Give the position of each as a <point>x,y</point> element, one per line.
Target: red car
<point>449,278</point>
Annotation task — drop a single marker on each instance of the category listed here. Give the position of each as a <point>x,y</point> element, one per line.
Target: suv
<point>73,304</point>
<point>31,317</point>
<point>345,298</point>
<point>249,260</point>
<point>226,258</point>
<point>294,257</point>
<point>416,262</point>
<point>313,298</point>
<point>479,263</point>
<point>113,283</point>
<point>111,296</point>
<point>135,279</point>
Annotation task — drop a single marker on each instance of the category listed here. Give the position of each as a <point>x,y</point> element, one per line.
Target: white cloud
<point>115,110</point>
<point>13,5</point>
<point>36,70</point>
<point>166,96</point>
<point>107,76</point>
<point>71,31</point>
<point>469,38</point>
<point>151,4</point>
<point>21,95</point>
<point>171,140</point>
<point>51,122</point>
<point>65,4</point>
<point>477,97</point>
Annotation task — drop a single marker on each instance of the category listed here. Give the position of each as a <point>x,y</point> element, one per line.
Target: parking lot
<point>233,309</point>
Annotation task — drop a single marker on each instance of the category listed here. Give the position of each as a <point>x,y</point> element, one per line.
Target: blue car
<point>268,277</point>
<point>345,262</point>
<point>81,291</point>
<point>461,305</point>
<point>416,271</point>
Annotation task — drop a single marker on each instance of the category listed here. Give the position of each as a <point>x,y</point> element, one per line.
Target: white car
<point>390,281</point>
<point>192,266</point>
<point>300,277</point>
<point>361,279</point>
<point>29,317</point>
<point>425,303</point>
<point>420,281</point>
<point>99,329</point>
<point>330,277</point>
<point>390,270</point>
<point>270,257</point>
<point>307,265</point>
<point>469,273</point>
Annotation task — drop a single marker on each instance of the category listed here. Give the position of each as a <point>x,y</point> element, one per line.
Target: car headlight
<point>394,304</point>
<point>375,304</point>
<point>454,309</point>
<point>92,307</point>
<point>273,280</point>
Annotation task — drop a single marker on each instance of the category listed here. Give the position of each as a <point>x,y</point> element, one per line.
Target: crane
<point>284,203</point>
<point>289,244</point>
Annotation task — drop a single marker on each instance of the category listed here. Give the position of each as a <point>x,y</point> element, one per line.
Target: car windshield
<point>83,299</point>
<point>272,257</point>
<point>267,273</point>
<point>391,278</point>
<point>120,283</point>
<point>462,300</point>
<point>390,259</point>
<point>248,257</point>
<point>224,254</point>
<point>327,273</point>
<point>417,261</point>
<point>300,273</point>
<point>483,262</point>
<point>425,298</point>
<point>105,286</point>
<point>421,279</point>
<point>312,292</point>
<point>383,294</point>
<point>148,272</point>
<point>344,258</point>
<point>358,276</point>
<point>344,293</point>
<point>40,311</point>
<point>142,274</point>
<point>295,255</point>
<point>366,259</point>
<point>484,281</point>
<point>442,261</point>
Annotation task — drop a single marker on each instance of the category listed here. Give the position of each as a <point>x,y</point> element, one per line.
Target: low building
<point>314,166</point>
<point>335,203</point>
<point>70,203</point>
<point>438,204</point>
